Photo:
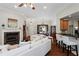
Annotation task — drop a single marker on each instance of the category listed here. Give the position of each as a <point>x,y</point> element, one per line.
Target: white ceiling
<point>73,16</point>
<point>52,8</point>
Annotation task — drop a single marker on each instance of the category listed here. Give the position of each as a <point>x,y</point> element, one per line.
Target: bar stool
<point>68,43</point>
<point>59,39</point>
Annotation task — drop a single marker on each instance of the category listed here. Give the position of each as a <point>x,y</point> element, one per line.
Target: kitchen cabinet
<point>64,24</point>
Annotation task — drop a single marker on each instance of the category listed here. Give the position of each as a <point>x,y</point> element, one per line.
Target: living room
<point>33,17</point>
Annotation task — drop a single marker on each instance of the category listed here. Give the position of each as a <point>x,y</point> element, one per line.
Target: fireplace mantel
<point>2,31</point>
<point>10,30</point>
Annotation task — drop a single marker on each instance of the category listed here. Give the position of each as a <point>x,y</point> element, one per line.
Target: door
<point>53,32</point>
<point>24,32</point>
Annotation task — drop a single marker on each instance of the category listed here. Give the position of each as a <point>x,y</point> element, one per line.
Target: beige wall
<point>32,27</point>
<point>32,24</point>
<point>5,14</point>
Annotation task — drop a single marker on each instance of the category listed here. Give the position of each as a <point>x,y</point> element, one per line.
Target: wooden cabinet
<point>61,24</point>
<point>64,24</point>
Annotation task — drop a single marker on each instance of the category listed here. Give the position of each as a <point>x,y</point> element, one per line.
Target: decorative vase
<point>3,26</point>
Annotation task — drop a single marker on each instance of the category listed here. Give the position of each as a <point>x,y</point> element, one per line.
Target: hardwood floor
<point>56,51</point>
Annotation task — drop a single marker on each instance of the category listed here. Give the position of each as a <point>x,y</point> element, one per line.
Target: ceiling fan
<point>26,5</point>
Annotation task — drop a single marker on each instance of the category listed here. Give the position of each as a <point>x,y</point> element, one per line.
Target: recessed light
<point>45,7</point>
<point>70,16</point>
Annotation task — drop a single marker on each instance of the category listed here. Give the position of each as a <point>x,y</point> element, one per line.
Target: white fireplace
<point>2,35</point>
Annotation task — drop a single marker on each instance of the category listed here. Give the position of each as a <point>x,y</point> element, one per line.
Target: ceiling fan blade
<point>20,5</point>
<point>33,8</point>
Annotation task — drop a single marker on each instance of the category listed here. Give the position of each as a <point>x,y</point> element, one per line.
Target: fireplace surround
<point>10,36</point>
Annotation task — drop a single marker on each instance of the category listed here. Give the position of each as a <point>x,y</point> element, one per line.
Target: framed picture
<point>12,23</point>
<point>42,29</point>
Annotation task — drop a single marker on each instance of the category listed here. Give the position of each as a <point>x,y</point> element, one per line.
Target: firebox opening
<point>11,38</point>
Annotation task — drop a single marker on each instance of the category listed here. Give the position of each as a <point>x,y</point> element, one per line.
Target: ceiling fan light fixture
<point>31,5</point>
<point>25,5</point>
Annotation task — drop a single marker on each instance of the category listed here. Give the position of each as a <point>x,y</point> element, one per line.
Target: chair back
<point>58,36</point>
<point>65,39</point>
